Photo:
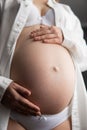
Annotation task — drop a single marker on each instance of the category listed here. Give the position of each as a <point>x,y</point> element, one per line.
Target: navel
<point>55,68</point>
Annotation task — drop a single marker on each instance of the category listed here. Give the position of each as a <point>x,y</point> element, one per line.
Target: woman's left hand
<point>48,34</point>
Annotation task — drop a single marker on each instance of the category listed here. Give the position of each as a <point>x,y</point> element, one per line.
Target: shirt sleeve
<point>4,83</point>
<point>74,39</point>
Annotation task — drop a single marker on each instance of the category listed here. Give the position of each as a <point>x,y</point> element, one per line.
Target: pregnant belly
<point>48,72</point>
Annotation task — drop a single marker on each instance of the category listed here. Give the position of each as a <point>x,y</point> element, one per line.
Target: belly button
<point>56,68</point>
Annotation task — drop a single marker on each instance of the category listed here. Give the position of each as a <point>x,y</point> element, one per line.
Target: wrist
<point>4,83</point>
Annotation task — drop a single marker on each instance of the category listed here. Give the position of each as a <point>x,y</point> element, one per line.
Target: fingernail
<point>28,94</point>
<point>37,38</point>
<point>39,113</point>
<point>31,35</point>
<point>38,109</point>
<point>45,41</point>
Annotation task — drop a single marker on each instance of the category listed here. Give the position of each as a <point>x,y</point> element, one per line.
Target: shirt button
<point>25,3</point>
<point>18,24</point>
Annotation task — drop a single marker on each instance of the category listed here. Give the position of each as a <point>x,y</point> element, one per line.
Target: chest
<point>35,16</point>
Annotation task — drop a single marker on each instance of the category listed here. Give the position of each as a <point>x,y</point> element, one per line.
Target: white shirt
<point>13,19</point>
<point>36,18</point>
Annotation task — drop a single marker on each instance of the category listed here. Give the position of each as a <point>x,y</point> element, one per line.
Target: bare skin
<point>66,125</point>
<point>51,35</point>
<point>13,125</point>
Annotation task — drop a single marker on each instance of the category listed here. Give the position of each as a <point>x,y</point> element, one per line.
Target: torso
<point>45,69</point>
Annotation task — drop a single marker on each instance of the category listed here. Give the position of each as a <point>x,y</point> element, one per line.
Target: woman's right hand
<point>16,98</point>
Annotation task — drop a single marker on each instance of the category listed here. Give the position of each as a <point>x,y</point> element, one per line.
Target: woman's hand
<point>48,34</point>
<point>16,98</point>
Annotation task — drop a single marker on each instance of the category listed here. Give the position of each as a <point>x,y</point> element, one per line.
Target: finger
<point>21,109</point>
<point>46,36</point>
<point>42,28</point>
<point>41,32</point>
<point>24,110</point>
<point>37,30</point>
<point>18,110</point>
<point>21,90</point>
<point>28,104</point>
<point>52,41</point>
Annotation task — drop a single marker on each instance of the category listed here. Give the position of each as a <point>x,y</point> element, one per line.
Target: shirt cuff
<point>67,43</point>
<point>4,83</point>
<point>71,46</point>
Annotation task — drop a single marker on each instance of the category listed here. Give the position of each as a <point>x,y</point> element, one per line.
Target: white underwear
<point>43,122</point>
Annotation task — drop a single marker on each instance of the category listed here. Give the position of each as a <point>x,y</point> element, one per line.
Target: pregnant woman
<point>43,64</point>
<point>43,69</point>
